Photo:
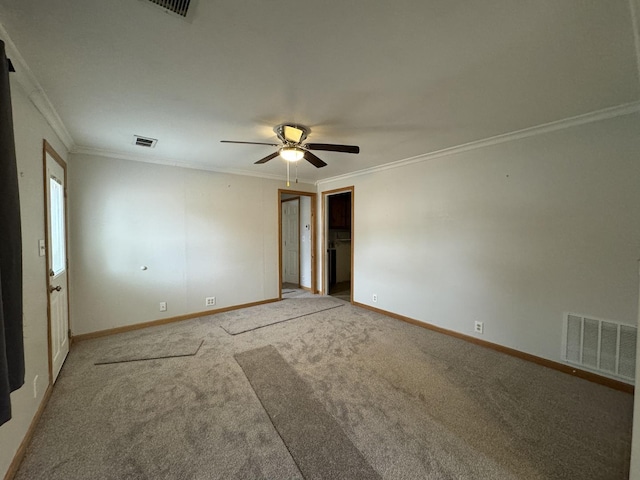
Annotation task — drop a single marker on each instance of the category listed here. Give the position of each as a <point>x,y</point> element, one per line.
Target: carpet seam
<point>281,321</point>
<point>152,358</point>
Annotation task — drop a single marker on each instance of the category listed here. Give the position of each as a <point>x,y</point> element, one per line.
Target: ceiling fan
<point>292,148</point>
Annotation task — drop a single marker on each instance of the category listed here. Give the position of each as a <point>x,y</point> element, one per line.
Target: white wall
<point>513,235</point>
<point>30,128</point>
<point>635,444</point>
<point>199,234</point>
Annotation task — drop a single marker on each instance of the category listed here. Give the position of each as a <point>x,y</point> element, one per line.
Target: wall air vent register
<point>602,346</point>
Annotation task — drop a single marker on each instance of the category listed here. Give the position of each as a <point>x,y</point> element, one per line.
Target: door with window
<point>56,253</point>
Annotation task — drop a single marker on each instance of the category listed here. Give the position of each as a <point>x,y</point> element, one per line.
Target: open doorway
<point>338,261</point>
<point>296,219</point>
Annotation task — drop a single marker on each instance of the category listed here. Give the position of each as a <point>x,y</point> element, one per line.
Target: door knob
<point>55,289</point>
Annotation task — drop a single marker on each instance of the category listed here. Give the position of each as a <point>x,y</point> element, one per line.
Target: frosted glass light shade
<point>291,154</point>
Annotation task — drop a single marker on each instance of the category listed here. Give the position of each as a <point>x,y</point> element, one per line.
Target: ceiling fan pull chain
<point>288,173</point>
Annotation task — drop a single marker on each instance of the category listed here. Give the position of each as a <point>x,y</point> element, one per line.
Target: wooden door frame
<point>48,149</point>
<point>325,232</point>
<point>312,200</point>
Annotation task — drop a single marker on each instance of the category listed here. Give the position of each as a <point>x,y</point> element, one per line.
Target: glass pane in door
<point>56,214</point>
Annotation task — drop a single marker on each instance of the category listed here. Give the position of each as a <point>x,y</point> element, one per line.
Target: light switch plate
<point>41,248</point>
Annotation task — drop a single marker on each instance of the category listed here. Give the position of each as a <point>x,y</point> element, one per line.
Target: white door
<point>57,263</point>
<point>291,241</point>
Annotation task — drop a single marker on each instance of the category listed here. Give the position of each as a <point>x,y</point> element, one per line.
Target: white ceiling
<point>400,79</point>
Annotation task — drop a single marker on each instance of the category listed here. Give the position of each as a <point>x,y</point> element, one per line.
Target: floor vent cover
<point>600,345</point>
<point>179,7</point>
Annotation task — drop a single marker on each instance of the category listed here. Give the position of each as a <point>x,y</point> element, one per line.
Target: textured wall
<point>513,235</point>
<point>199,234</point>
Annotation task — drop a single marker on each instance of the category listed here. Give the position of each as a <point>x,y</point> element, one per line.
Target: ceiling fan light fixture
<point>291,154</point>
<point>291,149</point>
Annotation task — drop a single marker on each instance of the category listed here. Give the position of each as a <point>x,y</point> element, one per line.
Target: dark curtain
<point>11,342</point>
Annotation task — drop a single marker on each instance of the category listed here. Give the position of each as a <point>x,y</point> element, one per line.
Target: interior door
<point>56,249</point>
<point>291,241</point>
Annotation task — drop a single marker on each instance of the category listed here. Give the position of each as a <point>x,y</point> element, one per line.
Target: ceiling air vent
<point>144,141</point>
<point>179,7</point>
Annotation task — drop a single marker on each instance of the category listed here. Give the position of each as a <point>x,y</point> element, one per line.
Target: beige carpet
<point>151,349</point>
<point>416,404</point>
<point>252,318</point>
<point>317,444</point>
<point>292,291</point>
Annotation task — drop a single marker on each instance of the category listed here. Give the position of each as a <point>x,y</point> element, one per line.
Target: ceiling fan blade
<point>313,160</point>
<point>251,143</point>
<point>268,157</point>
<point>330,147</point>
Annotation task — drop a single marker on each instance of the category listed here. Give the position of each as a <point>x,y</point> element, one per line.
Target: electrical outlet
<point>163,306</point>
<point>479,327</point>
<point>209,301</point>
<point>35,386</point>
<point>374,297</point>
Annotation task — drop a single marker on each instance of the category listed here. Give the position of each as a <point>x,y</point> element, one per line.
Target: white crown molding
<point>607,113</point>
<point>34,91</point>
<point>82,150</point>
<point>598,115</point>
